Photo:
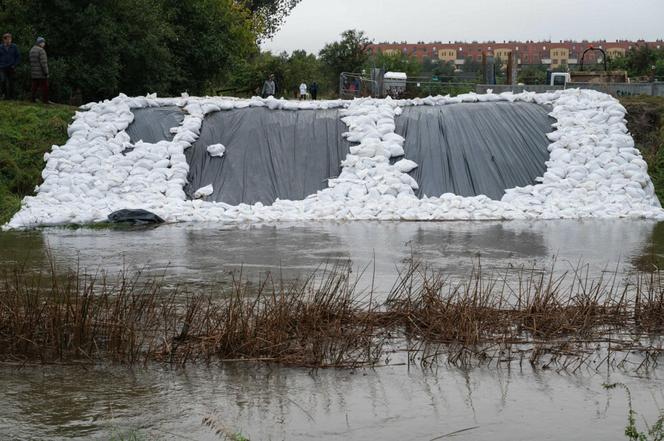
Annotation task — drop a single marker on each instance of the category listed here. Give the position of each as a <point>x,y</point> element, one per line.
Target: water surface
<point>273,403</point>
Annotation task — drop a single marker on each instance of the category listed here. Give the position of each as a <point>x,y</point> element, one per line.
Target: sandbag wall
<point>593,171</point>
<point>466,149</point>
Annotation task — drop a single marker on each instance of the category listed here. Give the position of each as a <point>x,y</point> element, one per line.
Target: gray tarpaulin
<point>270,154</point>
<point>476,148</point>
<point>153,124</point>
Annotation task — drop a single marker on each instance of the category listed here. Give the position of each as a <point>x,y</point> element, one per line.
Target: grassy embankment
<point>645,120</point>
<point>28,130</point>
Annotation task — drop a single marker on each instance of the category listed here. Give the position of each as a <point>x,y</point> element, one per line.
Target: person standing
<point>9,59</point>
<point>314,91</point>
<point>269,87</point>
<point>39,70</point>
<point>303,91</point>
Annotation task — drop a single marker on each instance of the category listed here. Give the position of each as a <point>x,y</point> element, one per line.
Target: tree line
<point>98,49</point>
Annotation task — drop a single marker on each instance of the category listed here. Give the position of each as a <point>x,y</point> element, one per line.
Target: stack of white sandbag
<point>594,169</point>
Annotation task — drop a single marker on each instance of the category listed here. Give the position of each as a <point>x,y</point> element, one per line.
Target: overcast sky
<point>316,22</point>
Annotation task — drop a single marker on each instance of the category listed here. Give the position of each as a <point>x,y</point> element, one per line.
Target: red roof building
<point>554,54</point>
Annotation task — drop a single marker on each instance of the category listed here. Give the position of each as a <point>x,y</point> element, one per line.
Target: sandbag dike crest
<point>594,169</point>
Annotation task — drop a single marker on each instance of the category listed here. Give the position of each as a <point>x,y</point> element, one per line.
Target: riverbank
<point>27,131</point>
<point>645,120</point>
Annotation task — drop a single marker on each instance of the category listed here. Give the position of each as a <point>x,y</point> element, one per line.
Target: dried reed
<point>326,321</point>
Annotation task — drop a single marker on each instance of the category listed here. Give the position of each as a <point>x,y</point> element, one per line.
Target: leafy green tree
<point>472,65</point>
<point>100,48</point>
<point>269,14</point>
<point>212,38</point>
<point>532,74</point>
<point>444,70</point>
<point>659,69</point>
<point>398,62</point>
<point>289,71</point>
<point>304,67</point>
<point>639,62</point>
<point>348,55</point>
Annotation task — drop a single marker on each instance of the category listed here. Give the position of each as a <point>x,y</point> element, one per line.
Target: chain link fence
<point>355,85</point>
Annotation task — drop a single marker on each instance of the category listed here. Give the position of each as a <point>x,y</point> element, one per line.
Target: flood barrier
<point>475,149</point>
<point>270,154</point>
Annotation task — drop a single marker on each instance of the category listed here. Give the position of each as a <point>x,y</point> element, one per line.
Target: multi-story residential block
<point>553,54</point>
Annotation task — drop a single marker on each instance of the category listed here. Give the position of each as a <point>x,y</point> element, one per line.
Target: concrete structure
<point>553,54</point>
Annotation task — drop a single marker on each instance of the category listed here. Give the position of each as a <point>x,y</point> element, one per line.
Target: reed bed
<point>564,322</point>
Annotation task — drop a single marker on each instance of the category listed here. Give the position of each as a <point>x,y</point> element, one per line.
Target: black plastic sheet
<point>270,154</point>
<point>153,124</point>
<point>134,217</point>
<point>472,149</point>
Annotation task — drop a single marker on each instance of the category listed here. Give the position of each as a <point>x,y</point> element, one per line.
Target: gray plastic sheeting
<point>471,149</point>
<point>270,154</point>
<point>153,124</point>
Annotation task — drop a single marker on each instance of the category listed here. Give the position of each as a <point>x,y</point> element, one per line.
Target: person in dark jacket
<point>313,89</point>
<point>9,59</point>
<point>39,70</point>
<point>269,87</point>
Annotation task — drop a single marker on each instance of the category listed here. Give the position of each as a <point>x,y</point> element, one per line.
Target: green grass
<point>645,120</point>
<point>27,131</point>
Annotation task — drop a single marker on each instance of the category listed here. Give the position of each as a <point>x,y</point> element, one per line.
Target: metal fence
<point>422,89</point>
<point>354,85</point>
<point>614,89</point>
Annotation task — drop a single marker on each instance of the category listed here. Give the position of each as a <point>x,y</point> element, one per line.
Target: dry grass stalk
<point>324,321</point>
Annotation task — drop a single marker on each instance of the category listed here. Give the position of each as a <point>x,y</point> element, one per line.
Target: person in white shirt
<point>303,91</point>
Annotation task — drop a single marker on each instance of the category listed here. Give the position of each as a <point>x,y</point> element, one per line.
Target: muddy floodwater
<point>206,254</point>
<point>265,402</point>
<point>269,403</point>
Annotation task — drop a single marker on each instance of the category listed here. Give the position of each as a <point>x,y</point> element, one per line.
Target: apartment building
<point>553,54</point>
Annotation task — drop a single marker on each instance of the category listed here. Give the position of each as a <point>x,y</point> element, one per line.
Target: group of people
<point>304,91</point>
<point>10,57</point>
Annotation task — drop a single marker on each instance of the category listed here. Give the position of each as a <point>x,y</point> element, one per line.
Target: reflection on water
<point>206,254</point>
<point>269,403</point>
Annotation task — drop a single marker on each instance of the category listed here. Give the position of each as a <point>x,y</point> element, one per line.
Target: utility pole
<point>488,68</point>
<point>512,68</point>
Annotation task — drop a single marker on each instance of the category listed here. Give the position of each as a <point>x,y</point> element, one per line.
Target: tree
<point>269,14</point>
<point>100,48</point>
<point>304,67</point>
<point>398,62</point>
<point>213,37</point>
<point>659,69</point>
<point>532,74</point>
<point>471,65</point>
<point>639,62</point>
<point>348,55</point>
<point>289,71</point>
<point>444,70</point>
